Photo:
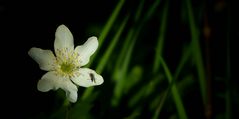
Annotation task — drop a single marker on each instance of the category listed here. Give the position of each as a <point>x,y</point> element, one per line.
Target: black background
<point>26,24</point>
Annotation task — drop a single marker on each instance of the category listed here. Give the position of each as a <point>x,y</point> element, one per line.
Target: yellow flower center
<point>67,68</point>
<point>67,62</point>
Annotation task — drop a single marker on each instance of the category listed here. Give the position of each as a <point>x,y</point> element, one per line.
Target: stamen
<point>67,62</point>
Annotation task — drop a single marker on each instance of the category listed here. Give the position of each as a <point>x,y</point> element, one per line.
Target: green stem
<point>161,38</point>
<point>197,53</point>
<point>107,27</point>
<point>67,105</point>
<point>102,37</point>
<point>175,93</point>
<point>184,59</point>
<point>111,47</point>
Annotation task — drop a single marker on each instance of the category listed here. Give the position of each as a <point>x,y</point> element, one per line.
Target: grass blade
<point>176,96</point>
<point>107,27</point>
<point>161,38</point>
<point>197,53</point>
<point>111,47</point>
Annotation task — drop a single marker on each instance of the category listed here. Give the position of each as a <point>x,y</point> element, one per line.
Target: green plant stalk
<point>163,98</point>
<point>144,91</point>
<point>111,21</point>
<point>129,36</point>
<point>176,96</point>
<point>129,52</point>
<point>122,67</point>
<point>159,49</point>
<point>118,65</point>
<point>197,53</point>
<point>139,11</point>
<point>102,37</point>
<point>122,64</point>
<point>109,50</point>
<point>184,59</point>
<point>107,27</point>
<point>186,55</point>
<point>161,38</point>
<point>148,14</point>
<point>151,10</point>
<point>105,57</point>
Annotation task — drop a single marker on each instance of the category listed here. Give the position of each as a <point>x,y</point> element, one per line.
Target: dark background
<point>26,24</point>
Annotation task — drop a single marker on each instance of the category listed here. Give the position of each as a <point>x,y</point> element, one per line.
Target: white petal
<point>51,81</point>
<point>87,78</point>
<point>64,38</point>
<point>45,58</point>
<point>70,89</point>
<point>86,50</point>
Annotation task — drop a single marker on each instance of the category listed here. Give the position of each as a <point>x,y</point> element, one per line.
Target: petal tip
<point>42,86</point>
<point>62,26</point>
<point>31,51</point>
<point>101,80</point>
<point>93,39</point>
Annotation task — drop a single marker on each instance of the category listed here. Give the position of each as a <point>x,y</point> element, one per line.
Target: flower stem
<point>67,105</point>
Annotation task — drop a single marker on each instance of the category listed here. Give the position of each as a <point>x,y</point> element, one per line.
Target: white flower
<point>65,69</point>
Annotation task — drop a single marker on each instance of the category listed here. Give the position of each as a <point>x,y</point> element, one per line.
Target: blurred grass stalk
<point>195,44</point>
<point>122,65</point>
<point>120,72</point>
<point>175,93</point>
<point>158,53</point>
<point>102,37</point>
<point>109,50</point>
<point>161,38</point>
<point>107,27</point>
<point>158,60</point>
<point>185,57</point>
